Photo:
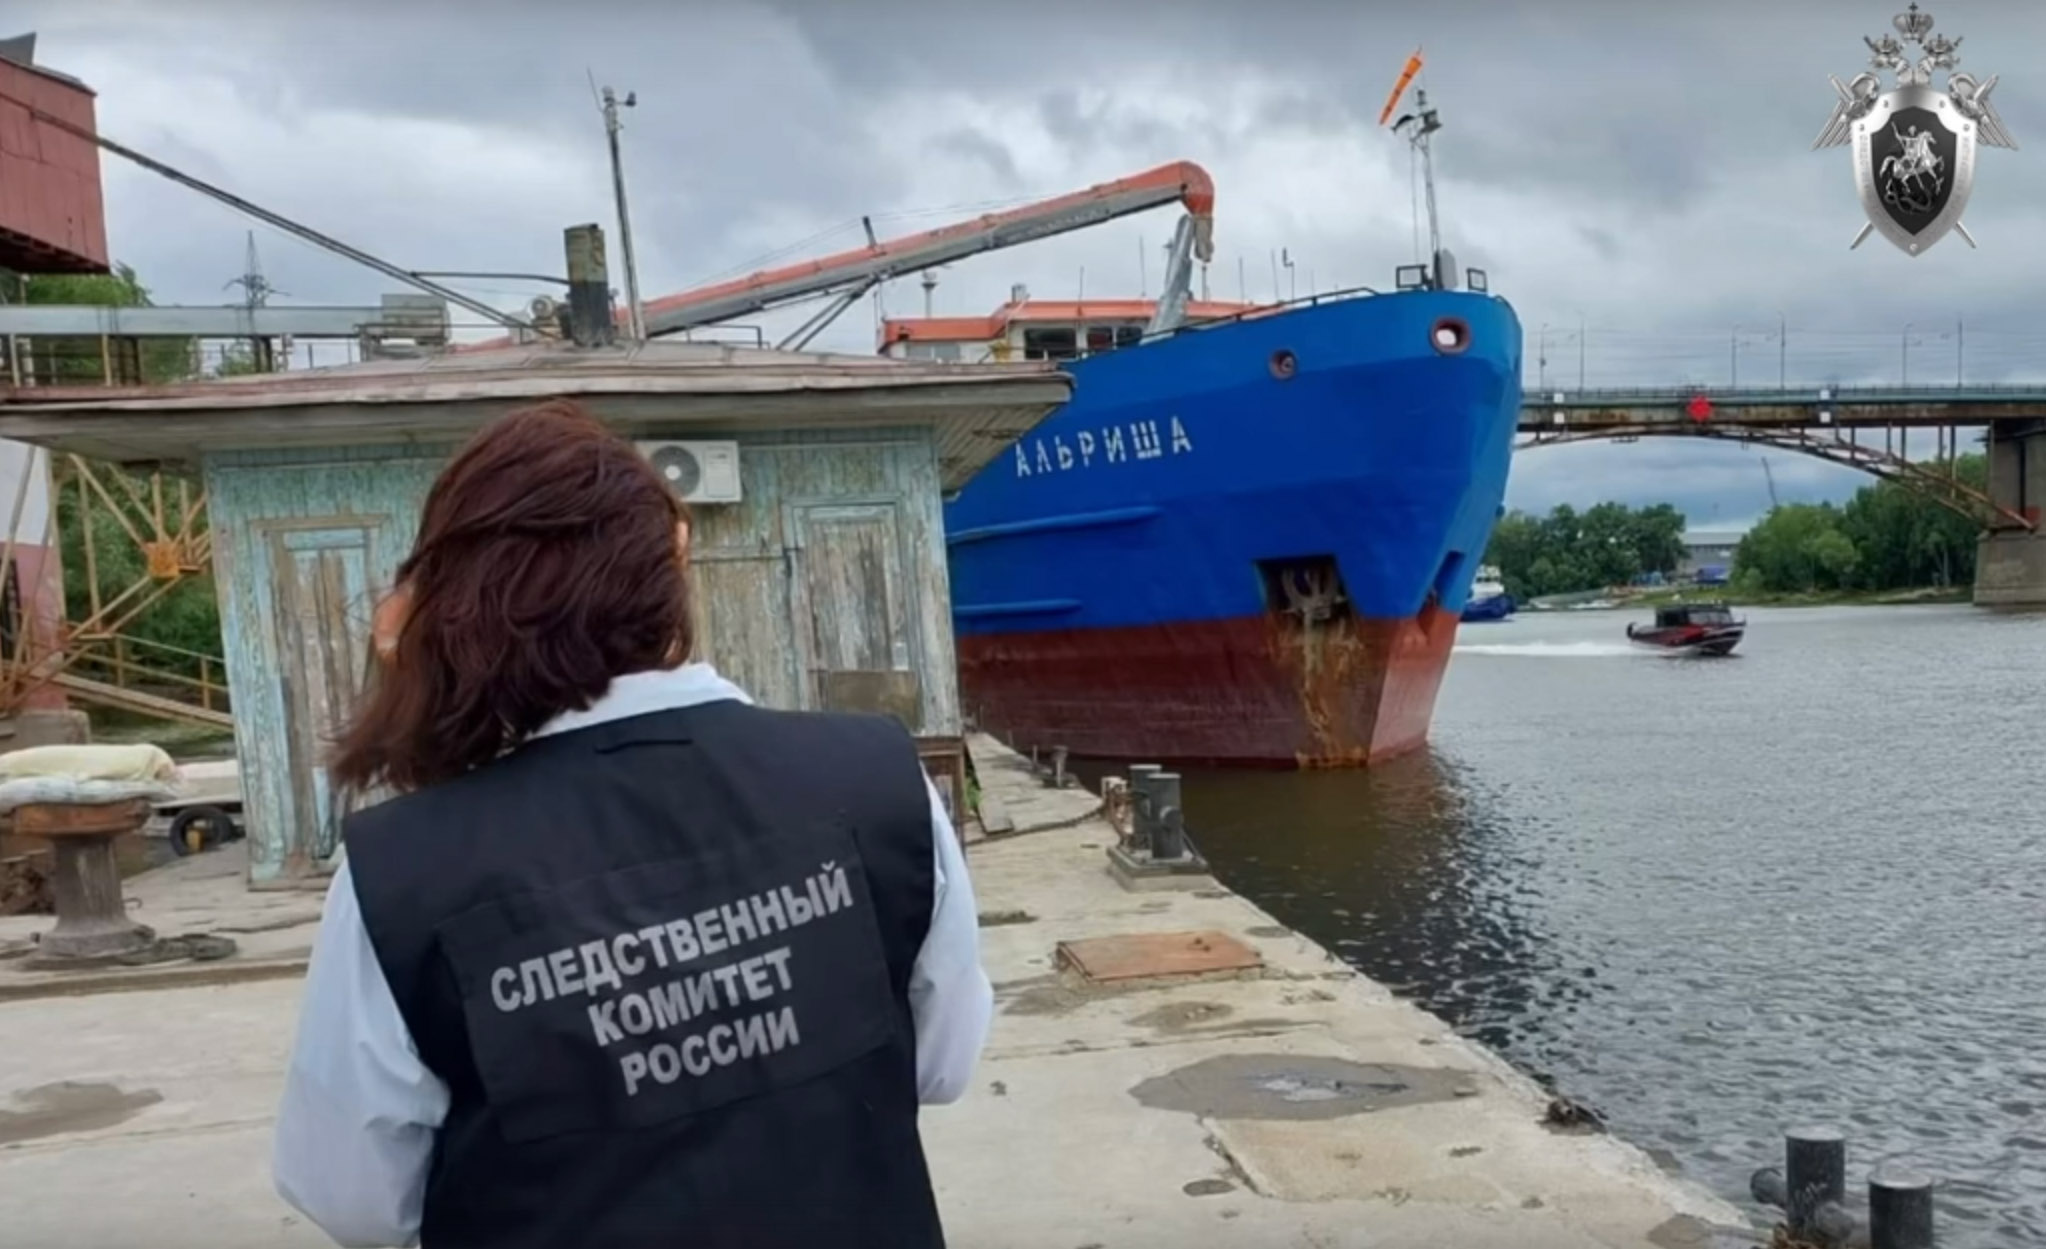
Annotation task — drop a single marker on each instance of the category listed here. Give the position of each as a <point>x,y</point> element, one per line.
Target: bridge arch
<point>1924,480</point>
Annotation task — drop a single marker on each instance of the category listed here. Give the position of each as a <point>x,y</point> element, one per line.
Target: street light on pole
<point>1733,354</point>
<point>1580,351</point>
<point>1908,325</point>
<point>635,317</point>
<point>1542,359</point>
<point>1782,352</point>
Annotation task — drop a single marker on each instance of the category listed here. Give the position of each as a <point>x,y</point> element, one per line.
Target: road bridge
<point>1865,427</point>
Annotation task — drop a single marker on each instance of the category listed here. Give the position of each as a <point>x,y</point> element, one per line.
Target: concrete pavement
<point>205,894</point>
<point>1294,1103</point>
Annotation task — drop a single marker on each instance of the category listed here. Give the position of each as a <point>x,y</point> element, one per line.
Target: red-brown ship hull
<point>1250,691</point>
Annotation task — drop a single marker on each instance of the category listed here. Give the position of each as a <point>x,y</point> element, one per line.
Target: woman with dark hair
<point>627,961</point>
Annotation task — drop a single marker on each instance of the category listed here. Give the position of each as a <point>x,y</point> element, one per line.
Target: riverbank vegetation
<point>1885,539</point>
<point>1569,552</point>
<point>1886,544</point>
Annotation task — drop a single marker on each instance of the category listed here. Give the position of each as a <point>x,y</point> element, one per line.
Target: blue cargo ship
<point>1248,541</point>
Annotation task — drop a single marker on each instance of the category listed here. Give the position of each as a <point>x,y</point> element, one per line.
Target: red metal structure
<point>849,274</point>
<point>861,267</point>
<point>52,209</point>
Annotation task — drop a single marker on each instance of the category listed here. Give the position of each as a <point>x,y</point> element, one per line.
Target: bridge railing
<point>1616,396</point>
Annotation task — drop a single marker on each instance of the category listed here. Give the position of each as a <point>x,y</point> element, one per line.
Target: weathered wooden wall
<point>825,587</point>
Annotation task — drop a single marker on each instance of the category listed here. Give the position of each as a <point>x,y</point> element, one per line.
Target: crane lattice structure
<point>94,658</point>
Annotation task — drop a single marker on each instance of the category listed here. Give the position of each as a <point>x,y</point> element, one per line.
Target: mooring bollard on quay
<point>85,880</point>
<point>1153,850</point>
<point>1053,773</point>
<point>83,800</point>
<point>1811,1190</point>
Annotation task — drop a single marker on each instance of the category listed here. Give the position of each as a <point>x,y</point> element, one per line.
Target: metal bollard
<point>1899,1208</point>
<point>85,879</point>
<point>1767,1186</point>
<point>1059,779</point>
<point>1815,1173</point>
<point>1140,805</point>
<point>1168,824</point>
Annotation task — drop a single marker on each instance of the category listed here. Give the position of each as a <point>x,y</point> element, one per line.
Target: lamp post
<point>1733,355</point>
<point>635,315</point>
<point>1782,352</point>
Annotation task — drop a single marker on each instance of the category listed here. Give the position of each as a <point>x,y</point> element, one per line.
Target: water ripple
<point>1714,898</point>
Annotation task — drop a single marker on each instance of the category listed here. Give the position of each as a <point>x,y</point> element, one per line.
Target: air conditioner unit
<point>698,472</point>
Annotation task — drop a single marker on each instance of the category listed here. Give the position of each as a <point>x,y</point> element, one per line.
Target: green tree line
<point>1568,551</point>
<point>1884,538</point>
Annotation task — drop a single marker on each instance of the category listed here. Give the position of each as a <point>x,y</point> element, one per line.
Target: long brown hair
<point>547,563</point>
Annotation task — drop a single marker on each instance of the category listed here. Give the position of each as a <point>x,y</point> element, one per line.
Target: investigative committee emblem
<point>1914,145</point>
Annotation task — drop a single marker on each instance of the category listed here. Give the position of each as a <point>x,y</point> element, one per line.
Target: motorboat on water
<point>1690,629</point>
<point>1488,599</point>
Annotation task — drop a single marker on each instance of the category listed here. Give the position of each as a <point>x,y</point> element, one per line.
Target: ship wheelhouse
<point>1035,329</point>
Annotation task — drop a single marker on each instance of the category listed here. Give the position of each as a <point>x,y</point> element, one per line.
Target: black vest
<point>663,966</point>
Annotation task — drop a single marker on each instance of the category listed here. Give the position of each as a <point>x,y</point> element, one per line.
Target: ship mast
<point>1420,135</point>
<point>1419,127</point>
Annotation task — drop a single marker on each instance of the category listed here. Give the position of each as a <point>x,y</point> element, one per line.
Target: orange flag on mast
<point>1399,88</point>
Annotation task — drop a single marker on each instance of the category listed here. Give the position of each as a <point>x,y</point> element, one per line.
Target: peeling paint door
<point>852,610</point>
<point>320,579</point>
<point>742,611</point>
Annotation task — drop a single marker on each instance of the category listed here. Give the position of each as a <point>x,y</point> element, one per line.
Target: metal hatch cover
<point>1148,955</point>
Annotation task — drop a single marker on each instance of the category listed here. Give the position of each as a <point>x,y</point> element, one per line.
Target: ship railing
<point>1265,310</point>
<point>1206,323</point>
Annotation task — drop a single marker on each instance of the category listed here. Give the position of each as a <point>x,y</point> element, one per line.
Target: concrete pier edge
<point>1593,1175</point>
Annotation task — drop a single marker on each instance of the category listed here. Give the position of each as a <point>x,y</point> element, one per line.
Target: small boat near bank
<point>1691,629</point>
<point>1488,599</point>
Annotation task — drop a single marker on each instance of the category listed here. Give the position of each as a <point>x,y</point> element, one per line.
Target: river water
<point>1714,899</point>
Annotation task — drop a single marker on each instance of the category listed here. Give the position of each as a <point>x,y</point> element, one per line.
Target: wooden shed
<point>816,481</point>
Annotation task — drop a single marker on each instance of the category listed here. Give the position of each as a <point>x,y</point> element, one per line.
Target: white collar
<point>638,693</point>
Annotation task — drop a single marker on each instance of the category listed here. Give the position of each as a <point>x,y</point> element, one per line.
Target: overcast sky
<point>1637,173</point>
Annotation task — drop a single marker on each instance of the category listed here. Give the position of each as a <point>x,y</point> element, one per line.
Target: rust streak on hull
<point>1250,691</point>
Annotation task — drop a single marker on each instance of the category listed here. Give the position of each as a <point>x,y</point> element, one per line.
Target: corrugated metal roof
<point>975,411</point>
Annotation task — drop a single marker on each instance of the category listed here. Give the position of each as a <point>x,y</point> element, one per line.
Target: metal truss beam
<point>392,320</point>
<point>1819,407</point>
<point>1916,476</point>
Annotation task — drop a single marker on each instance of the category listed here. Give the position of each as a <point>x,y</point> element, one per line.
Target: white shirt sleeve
<point>949,994</point>
<point>355,1130</point>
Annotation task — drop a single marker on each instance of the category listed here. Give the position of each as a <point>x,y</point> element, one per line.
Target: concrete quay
<point>206,894</point>
<point>1287,1102</point>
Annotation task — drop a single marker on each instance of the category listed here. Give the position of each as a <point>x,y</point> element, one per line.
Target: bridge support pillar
<point>2010,564</point>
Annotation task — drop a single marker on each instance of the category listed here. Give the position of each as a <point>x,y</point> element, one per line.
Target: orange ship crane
<point>851,274</point>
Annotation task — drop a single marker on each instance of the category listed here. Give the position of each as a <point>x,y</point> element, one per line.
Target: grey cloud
<point>1084,127</point>
<point>972,145</point>
<point>760,125</point>
<point>1301,109</point>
